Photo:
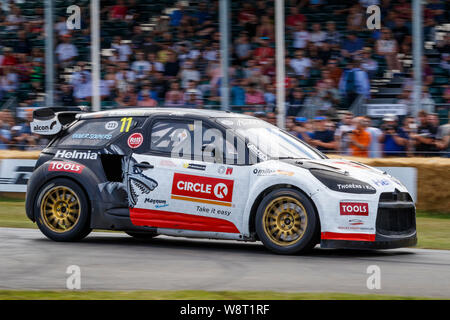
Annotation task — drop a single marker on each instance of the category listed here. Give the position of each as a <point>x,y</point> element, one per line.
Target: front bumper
<point>395,226</point>
<point>381,242</point>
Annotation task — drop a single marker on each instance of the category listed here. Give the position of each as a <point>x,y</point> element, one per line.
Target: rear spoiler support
<point>53,120</point>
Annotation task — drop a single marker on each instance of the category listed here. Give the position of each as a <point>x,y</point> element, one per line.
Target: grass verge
<point>433,228</point>
<point>191,295</point>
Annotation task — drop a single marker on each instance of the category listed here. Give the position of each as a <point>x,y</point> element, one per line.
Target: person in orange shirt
<point>360,139</point>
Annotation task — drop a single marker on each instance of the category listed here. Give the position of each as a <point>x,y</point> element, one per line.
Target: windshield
<point>263,137</point>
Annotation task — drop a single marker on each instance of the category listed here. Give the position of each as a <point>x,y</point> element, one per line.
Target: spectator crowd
<point>168,55</point>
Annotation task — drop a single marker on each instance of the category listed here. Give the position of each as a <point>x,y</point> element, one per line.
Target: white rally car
<point>208,174</point>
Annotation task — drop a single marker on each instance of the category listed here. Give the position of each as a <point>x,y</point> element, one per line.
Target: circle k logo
<point>135,140</point>
<point>220,190</point>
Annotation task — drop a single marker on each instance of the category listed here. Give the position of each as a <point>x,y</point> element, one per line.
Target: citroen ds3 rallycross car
<point>208,174</point>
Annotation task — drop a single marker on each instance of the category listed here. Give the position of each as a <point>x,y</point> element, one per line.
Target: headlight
<point>342,183</point>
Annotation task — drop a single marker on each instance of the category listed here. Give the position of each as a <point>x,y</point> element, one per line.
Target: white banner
<point>14,174</point>
<point>380,110</point>
<point>406,175</point>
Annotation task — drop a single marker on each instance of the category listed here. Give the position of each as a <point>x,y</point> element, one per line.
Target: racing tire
<point>62,211</point>
<point>286,222</point>
<point>141,235</point>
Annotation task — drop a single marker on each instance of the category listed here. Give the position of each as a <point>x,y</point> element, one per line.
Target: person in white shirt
<point>125,74</point>
<point>123,48</point>
<point>300,36</point>
<point>188,73</point>
<point>141,67</point>
<point>317,36</point>
<point>61,26</point>
<point>66,51</point>
<point>212,53</point>
<point>301,64</point>
<point>14,20</point>
<point>341,134</point>
<point>155,66</point>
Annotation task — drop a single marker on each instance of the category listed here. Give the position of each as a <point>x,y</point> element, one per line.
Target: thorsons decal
<point>354,187</point>
<point>85,155</point>
<point>202,189</point>
<point>354,209</point>
<point>65,167</point>
<point>135,140</point>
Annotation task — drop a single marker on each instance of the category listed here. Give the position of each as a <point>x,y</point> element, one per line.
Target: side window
<point>193,140</point>
<point>167,136</point>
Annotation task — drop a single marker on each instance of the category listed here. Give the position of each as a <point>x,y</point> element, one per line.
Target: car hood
<point>376,178</point>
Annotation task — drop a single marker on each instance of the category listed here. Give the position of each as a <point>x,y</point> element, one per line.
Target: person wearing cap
<point>360,139</point>
<point>301,129</point>
<point>393,139</point>
<point>322,138</point>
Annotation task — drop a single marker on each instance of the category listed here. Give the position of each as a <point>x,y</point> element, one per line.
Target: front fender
<point>298,178</point>
<point>86,178</point>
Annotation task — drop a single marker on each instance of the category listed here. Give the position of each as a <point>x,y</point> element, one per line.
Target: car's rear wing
<point>51,121</point>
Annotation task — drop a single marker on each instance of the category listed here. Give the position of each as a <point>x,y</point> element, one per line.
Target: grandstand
<point>180,33</point>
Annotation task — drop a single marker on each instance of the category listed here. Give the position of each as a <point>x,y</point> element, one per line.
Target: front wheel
<point>286,222</point>
<point>62,210</point>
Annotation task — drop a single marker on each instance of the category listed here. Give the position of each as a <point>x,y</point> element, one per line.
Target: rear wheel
<point>62,211</point>
<point>286,222</point>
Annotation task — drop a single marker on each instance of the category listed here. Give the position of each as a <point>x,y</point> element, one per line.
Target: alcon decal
<point>202,189</point>
<point>82,155</point>
<point>44,128</point>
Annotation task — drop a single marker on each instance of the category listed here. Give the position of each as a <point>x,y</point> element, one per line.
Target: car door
<point>193,187</point>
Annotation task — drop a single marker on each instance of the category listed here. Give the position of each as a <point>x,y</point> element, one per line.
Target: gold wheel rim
<point>60,209</point>
<point>285,221</point>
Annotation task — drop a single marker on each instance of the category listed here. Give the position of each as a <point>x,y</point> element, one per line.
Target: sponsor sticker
<point>44,128</point>
<point>225,170</point>
<point>84,155</point>
<point>156,202</point>
<point>92,136</point>
<point>381,182</point>
<point>355,222</point>
<point>111,125</point>
<point>263,172</point>
<point>194,166</point>
<point>65,167</point>
<point>135,140</point>
<point>202,189</point>
<point>354,209</point>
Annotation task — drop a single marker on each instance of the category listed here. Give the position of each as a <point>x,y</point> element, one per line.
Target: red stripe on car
<point>347,236</point>
<point>176,220</point>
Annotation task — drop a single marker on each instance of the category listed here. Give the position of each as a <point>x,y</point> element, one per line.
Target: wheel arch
<point>68,177</point>
<point>265,192</point>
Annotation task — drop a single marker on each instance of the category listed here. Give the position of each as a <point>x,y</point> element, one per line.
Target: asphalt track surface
<point>115,261</point>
